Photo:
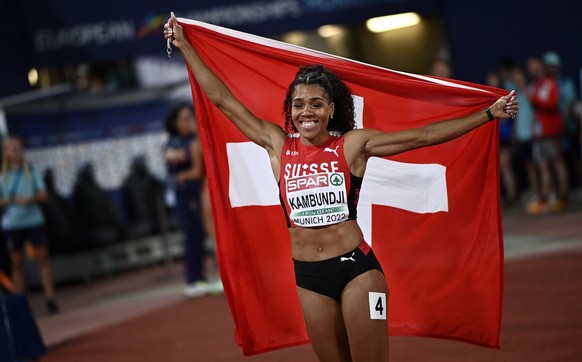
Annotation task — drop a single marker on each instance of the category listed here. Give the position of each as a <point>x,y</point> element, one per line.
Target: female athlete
<point>336,272</point>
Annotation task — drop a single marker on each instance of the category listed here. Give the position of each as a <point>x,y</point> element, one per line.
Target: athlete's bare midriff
<point>315,244</point>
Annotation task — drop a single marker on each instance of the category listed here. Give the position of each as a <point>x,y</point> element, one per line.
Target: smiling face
<point>311,110</point>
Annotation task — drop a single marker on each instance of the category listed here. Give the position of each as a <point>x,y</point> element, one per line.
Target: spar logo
<point>336,179</point>
<point>308,182</point>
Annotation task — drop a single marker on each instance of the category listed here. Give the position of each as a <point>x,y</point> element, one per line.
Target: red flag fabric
<point>431,215</point>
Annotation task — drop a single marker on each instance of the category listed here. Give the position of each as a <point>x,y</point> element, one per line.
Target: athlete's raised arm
<point>263,133</point>
<point>380,144</point>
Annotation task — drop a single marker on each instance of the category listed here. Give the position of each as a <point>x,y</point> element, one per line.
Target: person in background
<point>6,285</point>
<point>567,103</point>
<point>185,164</point>
<point>21,191</point>
<point>210,258</point>
<point>523,131</point>
<point>441,68</point>
<point>211,271</point>
<point>548,130</point>
<point>505,69</point>
<point>505,148</point>
<point>4,256</point>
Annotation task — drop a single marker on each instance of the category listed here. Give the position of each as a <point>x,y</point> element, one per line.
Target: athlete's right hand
<point>174,31</point>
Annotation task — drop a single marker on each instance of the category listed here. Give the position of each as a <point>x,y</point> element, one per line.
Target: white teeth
<point>310,124</point>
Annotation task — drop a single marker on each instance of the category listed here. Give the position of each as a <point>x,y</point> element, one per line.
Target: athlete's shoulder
<point>360,135</point>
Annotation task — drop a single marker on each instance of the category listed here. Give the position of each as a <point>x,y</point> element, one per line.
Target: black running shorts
<point>329,277</point>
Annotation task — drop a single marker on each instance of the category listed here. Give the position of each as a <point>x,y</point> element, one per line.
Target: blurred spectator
<point>6,285</point>
<point>101,219</point>
<point>143,194</point>
<point>21,191</point>
<point>5,266</point>
<point>567,102</point>
<point>506,67</point>
<point>547,152</point>
<point>183,155</point>
<point>123,75</point>
<point>110,76</point>
<point>441,68</point>
<point>210,259</point>
<point>567,90</point>
<point>523,125</point>
<point>63,224</point>
<point>505,148</point>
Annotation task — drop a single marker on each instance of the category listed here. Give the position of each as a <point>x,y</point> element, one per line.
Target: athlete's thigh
<point>325,326</point>
<point>365,309</point>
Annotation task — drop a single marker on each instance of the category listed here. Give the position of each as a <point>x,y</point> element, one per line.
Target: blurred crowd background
<point>87,87</point>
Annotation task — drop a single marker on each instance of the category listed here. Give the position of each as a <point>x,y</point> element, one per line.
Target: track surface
<point>542,321</point>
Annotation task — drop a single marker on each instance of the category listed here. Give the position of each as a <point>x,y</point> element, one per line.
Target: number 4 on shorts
<point>377,305</point>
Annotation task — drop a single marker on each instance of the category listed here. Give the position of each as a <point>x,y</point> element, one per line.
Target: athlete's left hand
<point>505,106</point>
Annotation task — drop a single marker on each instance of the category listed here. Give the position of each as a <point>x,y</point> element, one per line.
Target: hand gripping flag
<point>432,215</point>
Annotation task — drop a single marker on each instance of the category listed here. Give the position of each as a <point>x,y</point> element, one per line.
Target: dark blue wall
<point>77,126</point>
<point>479,32</point>
<point>15,58</point>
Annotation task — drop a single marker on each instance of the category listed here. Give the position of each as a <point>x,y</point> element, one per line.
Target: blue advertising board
<point>68,31</point>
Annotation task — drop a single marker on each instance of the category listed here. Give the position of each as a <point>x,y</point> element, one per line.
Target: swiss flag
<point>432,215</point>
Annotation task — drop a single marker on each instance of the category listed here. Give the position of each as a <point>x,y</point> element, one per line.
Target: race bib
<point>317,200</point>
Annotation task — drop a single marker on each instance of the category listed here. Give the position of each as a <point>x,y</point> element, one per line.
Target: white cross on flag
<point>432,215</point>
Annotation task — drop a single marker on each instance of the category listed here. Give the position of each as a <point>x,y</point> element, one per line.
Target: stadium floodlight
<point>392,22</point>
<point>330,30</point>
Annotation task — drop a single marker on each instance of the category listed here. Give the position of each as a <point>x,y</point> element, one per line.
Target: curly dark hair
<point>172,117</point>
<point>337,92</point>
